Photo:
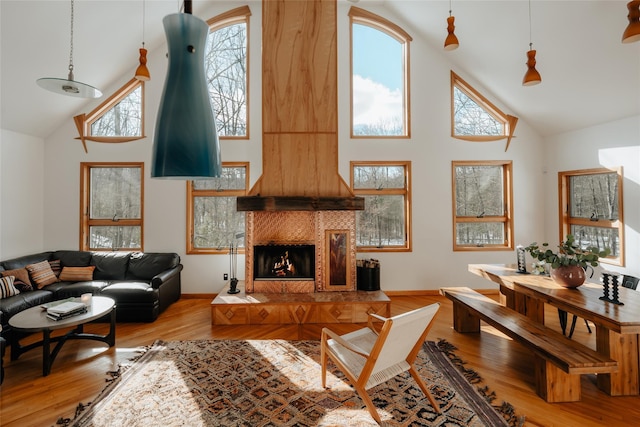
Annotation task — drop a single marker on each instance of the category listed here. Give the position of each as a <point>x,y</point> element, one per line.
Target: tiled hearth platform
<point>315,307</point>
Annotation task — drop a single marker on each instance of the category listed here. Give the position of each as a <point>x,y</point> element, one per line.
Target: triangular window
<point>474,118</point>
<point>118,119</point>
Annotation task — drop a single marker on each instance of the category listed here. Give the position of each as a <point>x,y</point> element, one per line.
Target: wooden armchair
<point>369,357</point>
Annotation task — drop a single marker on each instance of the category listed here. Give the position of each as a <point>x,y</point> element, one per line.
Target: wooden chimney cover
<point>299,102</point>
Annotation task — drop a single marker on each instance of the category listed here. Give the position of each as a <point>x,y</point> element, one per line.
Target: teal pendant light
<point>185,144</point>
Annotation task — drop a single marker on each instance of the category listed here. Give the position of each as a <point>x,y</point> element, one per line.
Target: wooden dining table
<point>617,325</point>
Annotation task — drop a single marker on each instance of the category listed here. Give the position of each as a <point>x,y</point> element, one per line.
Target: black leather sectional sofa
<point>142,284</point>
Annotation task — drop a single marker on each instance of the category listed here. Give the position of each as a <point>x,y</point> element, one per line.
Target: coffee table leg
<point>46,353</point>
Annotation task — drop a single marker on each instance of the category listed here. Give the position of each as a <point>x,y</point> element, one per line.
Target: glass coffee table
<point>35,319</point>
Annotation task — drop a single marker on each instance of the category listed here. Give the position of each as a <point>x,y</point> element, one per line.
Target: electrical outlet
<point>226,276</point>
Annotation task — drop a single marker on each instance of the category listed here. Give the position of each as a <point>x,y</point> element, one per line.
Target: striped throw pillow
<point>6,287</point>
<point>56,267</point>
<point>21,281</point>
<point>41,274</point>
<point>77,274</point>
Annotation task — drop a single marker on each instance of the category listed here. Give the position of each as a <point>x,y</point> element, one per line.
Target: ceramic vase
<point>569,276</point>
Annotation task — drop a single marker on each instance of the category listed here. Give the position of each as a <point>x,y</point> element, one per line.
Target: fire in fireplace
<point>284,262</point>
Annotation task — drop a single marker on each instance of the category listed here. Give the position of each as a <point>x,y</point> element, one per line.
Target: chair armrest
<point>346,344</point>
<point>370,322</point>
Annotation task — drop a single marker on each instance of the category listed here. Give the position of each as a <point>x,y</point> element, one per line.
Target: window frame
<point>364,17</point>
<point>508,122</point>
<point>84,121</point>
<point>566,221</point>
<point>85,200</point>
<point>506,219</point>
<point>193,193</point>
<point>406,192</point>
<point>232,17</point>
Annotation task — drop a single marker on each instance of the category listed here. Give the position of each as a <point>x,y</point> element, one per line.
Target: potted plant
<point>569,262</point>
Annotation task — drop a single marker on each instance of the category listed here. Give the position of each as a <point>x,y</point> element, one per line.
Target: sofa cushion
<point>110,265</point>
<point>64,290</point>
<point>73,258</point>
<point>56,266</point>
<point>41,274</point>
<point>6,287</point>
<point>22,281</point>
<point>144,266</point>
<point>76,274</point>
<point>25,260</point>
<point>22,301</point>
<point>131,292</point>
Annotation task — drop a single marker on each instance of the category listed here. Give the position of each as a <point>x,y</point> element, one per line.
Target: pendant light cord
<point>530,37</point>
<point>143,21</point>
<point>71,46</point>
<point>449,7</point>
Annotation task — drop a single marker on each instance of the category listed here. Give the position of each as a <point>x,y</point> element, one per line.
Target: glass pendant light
<point>142,72</point>
<point>69,86</point>
<point>185,144</point>
<point>532,76</point>
<point>632,32</point>
<point>451,42</point>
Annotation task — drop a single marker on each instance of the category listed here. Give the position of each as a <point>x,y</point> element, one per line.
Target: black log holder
<point>233,267</point>
<point>610,281</point>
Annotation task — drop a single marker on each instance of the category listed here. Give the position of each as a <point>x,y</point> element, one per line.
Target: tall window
<point>474,117</point>
<point>379,77</point>
<point>591,210</point>
<point>120,118</point>
<point>227,71</point>
<point>111,198</point>
<point>212,216</point>
<point>385,223</point>
<point>482,205</point>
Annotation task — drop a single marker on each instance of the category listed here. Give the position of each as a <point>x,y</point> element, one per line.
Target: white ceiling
<point>589,76</point>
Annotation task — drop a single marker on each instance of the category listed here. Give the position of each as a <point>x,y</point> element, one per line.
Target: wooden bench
<point>559,362</point>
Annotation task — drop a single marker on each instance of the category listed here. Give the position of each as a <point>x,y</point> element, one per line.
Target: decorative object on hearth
<point>632,32</point>
<point>451,42</point>
<point>277,382</point>
<point>69,86</point>
<point>611,287</point>
<point>233,268</point>
<point>532,76</point>
<point>186,144</point>
<point>142,72</point>
<point>569,263</point>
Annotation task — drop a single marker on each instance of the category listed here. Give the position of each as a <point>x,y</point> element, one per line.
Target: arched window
<point>474,117</point>
<point>227,72</point>
<point>379,77</point>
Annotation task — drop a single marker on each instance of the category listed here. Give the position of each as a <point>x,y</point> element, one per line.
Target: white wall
<point>22,206</point>
<point>608,145</point>
<point>430,265</point>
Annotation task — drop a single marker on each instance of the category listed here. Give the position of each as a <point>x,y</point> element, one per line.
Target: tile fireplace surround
<point>302,228</point>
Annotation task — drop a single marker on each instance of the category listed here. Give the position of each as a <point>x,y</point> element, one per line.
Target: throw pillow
<point>56,267</point>
<point>6,287</point>
<point>21,281</point>
<point>41,274</point>
<point>77,274</point>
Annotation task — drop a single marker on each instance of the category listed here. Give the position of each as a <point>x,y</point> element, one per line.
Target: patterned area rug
<point>277,383</point>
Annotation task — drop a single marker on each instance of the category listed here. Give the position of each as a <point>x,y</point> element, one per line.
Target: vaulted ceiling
<point>589,76</point>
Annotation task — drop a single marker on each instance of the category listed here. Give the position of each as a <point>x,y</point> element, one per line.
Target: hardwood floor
<point>79,372</point>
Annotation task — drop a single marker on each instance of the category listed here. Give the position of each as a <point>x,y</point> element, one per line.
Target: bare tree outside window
<point>112,206</point>
<point>123,119</point>
<point>215,222</point>
<point>383,224</point>
<point>592,201</point>
<point>471,118</point>
<point>226,71</point>
<point>481,198</point>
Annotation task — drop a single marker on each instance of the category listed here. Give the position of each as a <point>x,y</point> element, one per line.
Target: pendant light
<point>69,86</point>
<point>632,32</point>
<point>532,76</point>
<point>142,72</point>
<point>185,144</point>
<point>451,42</point>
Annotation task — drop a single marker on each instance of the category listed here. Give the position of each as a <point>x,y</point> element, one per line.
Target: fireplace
<point>307,239</point>
<point>284,262</point>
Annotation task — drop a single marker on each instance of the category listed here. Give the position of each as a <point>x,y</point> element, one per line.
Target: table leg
<point>624,349</point>
<point>46,353</point>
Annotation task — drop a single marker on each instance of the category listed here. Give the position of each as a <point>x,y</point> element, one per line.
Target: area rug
<point>277,383</point>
